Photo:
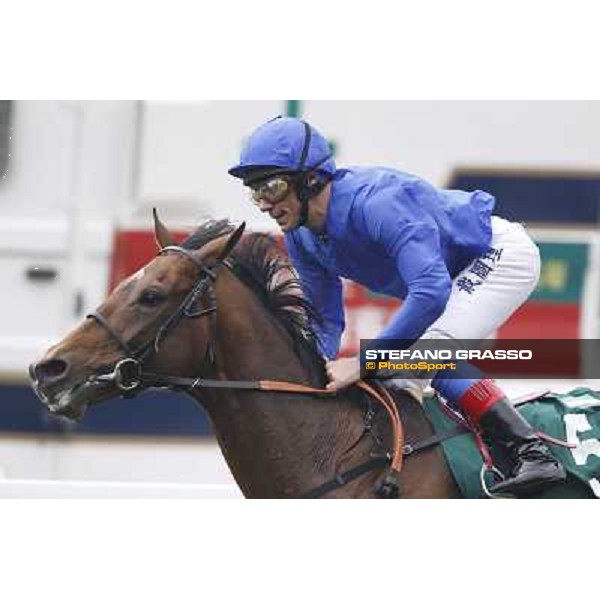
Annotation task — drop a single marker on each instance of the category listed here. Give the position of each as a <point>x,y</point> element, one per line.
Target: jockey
<point>460,271</point>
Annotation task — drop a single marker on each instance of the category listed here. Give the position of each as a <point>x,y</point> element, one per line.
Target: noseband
<point>127,373</point>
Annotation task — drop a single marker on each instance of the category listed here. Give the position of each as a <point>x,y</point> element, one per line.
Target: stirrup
<point>485,469</point>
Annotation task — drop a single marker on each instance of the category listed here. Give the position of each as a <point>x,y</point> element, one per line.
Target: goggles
<point>271,191</point>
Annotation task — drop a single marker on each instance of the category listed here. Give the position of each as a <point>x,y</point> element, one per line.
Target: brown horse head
<point>129,323</point>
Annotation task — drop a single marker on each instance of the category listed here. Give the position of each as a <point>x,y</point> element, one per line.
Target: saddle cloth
<point>573,417</point>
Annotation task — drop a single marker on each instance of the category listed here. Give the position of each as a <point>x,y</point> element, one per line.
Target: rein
<point>130,378</point>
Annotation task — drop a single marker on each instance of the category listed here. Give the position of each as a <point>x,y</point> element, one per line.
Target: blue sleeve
<point>324,291</point>
<point>395,220</point>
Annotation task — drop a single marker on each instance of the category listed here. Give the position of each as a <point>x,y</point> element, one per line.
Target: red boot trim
<point>479,398</point>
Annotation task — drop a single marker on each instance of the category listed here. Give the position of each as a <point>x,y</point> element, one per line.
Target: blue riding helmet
<point>287,145</point>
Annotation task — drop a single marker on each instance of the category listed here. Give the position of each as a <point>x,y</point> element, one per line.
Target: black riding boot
<point>533,466</point>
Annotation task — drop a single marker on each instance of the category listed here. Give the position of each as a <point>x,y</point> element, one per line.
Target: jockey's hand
<point>342,373</point>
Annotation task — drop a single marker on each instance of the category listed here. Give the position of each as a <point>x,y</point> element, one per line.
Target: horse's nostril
<point>50,369</point>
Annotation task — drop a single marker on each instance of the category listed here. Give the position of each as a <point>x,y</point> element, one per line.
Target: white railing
<point>48,488</point>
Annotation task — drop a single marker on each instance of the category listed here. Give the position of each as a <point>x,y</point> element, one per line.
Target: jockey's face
<point>277,197</point>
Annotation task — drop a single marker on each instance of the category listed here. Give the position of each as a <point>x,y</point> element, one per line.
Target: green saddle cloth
<point>573,417</point>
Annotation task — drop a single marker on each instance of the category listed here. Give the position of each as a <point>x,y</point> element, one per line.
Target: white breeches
<point>487,292</point>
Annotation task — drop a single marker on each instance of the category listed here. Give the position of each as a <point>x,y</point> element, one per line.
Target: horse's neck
<point>275,444</point>
<point>281,446</point>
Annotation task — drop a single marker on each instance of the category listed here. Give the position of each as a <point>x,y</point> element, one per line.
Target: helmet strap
<point>305,192</point>
<point>303,211</point>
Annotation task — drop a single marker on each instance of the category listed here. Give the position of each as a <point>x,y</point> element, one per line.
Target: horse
<point>230,307</point>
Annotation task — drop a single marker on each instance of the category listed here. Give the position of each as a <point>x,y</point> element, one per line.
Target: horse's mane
<point>207,232</point>
<point>263,265</point>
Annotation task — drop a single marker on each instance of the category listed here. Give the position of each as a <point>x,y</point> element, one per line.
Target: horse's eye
<point>151,298</point>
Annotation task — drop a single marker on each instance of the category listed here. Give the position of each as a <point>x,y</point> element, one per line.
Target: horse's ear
<point>161,233</point>
<point>234,238</point>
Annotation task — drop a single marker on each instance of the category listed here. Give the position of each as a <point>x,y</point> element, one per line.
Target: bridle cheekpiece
<point>128,374</point>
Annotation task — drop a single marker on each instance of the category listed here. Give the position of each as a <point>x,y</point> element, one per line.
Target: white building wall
<point>187,149</point>
<point>432,138</point>
<point>70,173</point>
<point>61,148</point>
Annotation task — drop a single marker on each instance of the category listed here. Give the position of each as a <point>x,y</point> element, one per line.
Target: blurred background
<point>78,180</point>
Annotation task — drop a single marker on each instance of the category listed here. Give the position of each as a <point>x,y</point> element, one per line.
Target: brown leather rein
<point>129,377</point>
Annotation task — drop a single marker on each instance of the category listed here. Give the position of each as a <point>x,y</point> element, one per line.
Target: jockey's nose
<point>49,371</point>
<point>264,205</point>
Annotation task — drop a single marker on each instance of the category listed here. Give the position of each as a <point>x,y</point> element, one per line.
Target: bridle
<point>128,374</point>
